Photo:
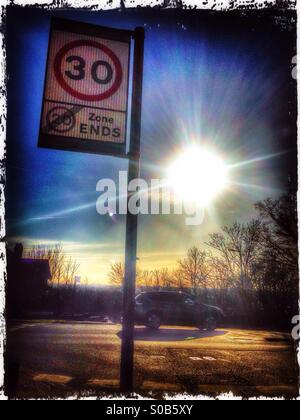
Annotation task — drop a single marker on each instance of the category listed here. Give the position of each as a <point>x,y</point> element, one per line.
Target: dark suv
<point>156,308</point>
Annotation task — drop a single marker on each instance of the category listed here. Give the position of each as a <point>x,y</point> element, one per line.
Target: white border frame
<point>224,5</point>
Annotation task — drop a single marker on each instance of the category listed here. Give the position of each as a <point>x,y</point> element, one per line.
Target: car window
<point>163,298</point>
<point>167,298</point>
<point>178,298</point>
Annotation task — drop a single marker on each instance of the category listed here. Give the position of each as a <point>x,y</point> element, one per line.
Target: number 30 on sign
<point>86,89</point>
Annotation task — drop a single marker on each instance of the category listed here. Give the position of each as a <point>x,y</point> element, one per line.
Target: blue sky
<point>221,82</point>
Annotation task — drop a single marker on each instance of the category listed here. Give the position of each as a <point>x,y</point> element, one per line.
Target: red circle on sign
<point>79,95</point>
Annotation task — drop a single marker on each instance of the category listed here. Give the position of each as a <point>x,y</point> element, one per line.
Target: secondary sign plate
<point>86,89</point>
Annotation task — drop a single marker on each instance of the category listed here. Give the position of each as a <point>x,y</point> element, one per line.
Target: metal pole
<point>127,349</point>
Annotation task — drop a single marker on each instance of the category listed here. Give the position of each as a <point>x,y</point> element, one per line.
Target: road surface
<point>60,359</point>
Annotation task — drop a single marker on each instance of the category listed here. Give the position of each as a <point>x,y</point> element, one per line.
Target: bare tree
<point>156,278</point>
<point>145,278</point>
<point>117,274</point>
<point>194,268</point>
<point>221,275</point>
<point>163,278</point>
<point>281,233</point>
<point>239,247</point>
<point>70,270</point>
<point>167,278</point>
<point>179,280</point>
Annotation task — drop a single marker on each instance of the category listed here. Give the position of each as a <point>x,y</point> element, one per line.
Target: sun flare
<point>197,175</point>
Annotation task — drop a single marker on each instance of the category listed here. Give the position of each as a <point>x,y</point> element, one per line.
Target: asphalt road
<point>60,359</point>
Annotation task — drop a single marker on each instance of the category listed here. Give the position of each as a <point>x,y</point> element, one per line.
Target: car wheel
<point>153,321</point>
<point>210,323</point>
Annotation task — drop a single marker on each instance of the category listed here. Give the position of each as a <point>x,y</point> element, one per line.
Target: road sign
<point>85,110</point>
<point>86,89</point>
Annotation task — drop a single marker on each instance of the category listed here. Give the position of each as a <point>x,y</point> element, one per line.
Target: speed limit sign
<point>85,108</point>
<point>86,88</point>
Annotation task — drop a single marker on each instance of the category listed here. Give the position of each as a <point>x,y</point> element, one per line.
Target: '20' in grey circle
<point>60,119</point>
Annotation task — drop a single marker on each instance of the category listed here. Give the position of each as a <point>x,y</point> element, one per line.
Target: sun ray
<point>257,159</point>
<point>254,186</point>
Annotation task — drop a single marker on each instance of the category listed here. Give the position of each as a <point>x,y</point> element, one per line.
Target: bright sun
<point>197,175</point>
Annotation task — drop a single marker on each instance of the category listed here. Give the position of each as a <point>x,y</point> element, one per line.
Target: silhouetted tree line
<point>250,270</point>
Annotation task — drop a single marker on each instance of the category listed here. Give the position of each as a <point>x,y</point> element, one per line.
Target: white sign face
<point>86,91</point>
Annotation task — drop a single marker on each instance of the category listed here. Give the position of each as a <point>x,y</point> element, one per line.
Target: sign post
<point>85,107</point>
<point>127,350</point>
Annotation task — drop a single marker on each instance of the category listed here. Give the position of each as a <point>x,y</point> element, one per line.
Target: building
<point>27,283</point>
